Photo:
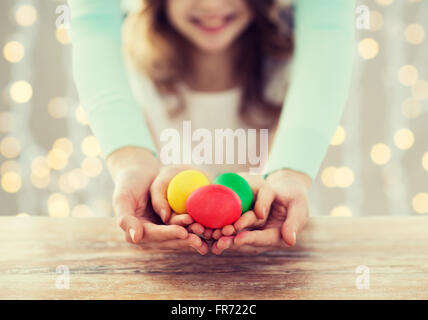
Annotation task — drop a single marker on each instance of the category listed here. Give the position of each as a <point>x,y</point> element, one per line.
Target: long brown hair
<point>158,50</point>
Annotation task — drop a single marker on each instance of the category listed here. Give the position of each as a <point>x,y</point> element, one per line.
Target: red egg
<point>214,206</point>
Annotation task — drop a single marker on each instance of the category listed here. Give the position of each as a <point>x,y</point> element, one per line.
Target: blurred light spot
<point>40,182</point>
<point>338,137</point>
<point>341,211</point>
<point>376,20</point>
<point>90,146</point>
<point>10,147</point>
<point>40,167</point>
<point>380,153</point>
<point>11,182</point>
<point>92,167</point>
<point>327,177</point>
<point>21,91</point>
<point>9,165</point>
<point>58,205</point>
<point>13,51</point>
<point>408,75</point>
<point>81,211</point>
<point>81,116</point>
<point>62,36</point>
<point>368,48</point>
<point>420,90</point>
<point>26,15</point>
<point>57,108</point>
<point>420,203</point>
<point>344,177</point>
<point>57,159</point>
<point>411,108</point>
<point>6,122</point>
<point>384,2</point>
<point>63,144</point>
<point>404,139</point>
<point>77,179</point>
<point>414,33</point>
<point>425,161</point>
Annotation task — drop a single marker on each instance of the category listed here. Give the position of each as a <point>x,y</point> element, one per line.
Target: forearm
<point>319,86</point>
<point>101,80</point>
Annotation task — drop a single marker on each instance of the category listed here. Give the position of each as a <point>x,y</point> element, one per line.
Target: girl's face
<point>210,25</point>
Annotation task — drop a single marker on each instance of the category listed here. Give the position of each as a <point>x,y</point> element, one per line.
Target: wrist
<point>131,157</point>
<point>290,174</point>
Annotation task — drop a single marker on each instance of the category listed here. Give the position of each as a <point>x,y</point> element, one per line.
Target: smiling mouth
<point>213,24</point>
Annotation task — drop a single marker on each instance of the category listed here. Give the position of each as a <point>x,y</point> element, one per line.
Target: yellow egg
<point>182,185</point>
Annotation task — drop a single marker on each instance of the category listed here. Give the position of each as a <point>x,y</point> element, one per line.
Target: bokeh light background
<point>377,164</point>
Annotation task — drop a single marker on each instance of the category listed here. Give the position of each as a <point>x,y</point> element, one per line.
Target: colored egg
<point>214,206</point>
<point>181,186</point>
<point>239,185</point>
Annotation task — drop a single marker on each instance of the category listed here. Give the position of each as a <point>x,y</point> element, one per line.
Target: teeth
<point>213,23</point>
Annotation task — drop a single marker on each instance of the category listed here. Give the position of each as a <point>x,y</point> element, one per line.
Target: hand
<point>165,237</point>
<point>133,171</point>
<point>289,213</point>
<point>264,196</point>
<point>158,192</point>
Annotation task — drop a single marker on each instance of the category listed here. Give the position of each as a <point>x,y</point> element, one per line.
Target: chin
<point>213,47</point>
<point>210,45</point>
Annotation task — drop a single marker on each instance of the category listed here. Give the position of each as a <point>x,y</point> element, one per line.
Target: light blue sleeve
<point>321,74</point>
<point>98,65</point>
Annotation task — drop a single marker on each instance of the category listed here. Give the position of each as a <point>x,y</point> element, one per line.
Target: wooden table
<point>323,266</point>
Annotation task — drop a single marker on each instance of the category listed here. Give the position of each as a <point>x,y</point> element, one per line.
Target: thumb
<point>125,209</point>
<point>297,217</point>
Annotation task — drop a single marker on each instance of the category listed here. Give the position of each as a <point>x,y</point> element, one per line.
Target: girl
<point>213,62</point>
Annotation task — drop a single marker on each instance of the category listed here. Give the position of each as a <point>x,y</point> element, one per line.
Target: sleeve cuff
<point>301,149</point>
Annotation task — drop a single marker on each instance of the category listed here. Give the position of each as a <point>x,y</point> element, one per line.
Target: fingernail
<point>294,237</point>
<point>132,234</point>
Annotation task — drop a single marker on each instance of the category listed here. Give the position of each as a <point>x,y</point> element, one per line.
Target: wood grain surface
<point>323,265</point>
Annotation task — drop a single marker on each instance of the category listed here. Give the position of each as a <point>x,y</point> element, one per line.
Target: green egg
<point>240,186</point>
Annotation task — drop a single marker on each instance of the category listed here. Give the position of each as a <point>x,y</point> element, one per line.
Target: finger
<point>124,206</point>
<point>260,238</point>
<point>216,234</point>
<point>214,249</point>
<point>222,244</point>
<point>264,200</point>
<point>248,219</point>
<point>196,228</point>
<point>196,243</point>
<point>297,217</point>
<point>208,234</point>
<point>249,249</point>
<point>158,196</point>
<point>128,238</point>
<point>180,219</point>
<point>132,227</point>
<point>228,230</point>
<point>218,248</point>
<point>192,242</point>
<point>203,249</point>
<point>155,232</point>
<point>181,245</point>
